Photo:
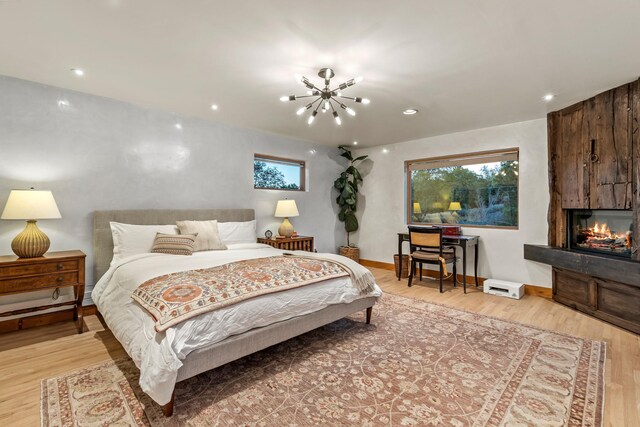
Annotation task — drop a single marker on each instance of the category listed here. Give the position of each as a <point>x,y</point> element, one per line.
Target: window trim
<point>283,160</point>
<point>462,156</point>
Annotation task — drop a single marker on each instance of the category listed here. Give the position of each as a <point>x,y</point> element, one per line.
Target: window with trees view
<point>275,173</point>
<point>478,189</point>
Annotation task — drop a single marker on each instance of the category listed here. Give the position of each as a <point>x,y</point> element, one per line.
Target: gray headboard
<point>103,242</point>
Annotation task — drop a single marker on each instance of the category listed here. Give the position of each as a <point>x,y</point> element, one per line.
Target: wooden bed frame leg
<point>167,410</point>
<point>369,311</point>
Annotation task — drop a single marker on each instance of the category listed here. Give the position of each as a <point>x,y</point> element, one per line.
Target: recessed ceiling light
<point>178,126</point>
<point>214,106</point>
<point>355,142</point>
<point>78,72</point>
<point>410,112</point>
<point>548,97</point>
<point>385,150</point>
<point>312,152</point>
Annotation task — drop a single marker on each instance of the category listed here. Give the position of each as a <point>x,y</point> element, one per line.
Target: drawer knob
<point>59,279</point>
<point>59,266</point>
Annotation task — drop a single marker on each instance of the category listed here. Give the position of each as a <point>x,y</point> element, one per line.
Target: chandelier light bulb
<point>337,117</point>
<point>298,78</point>
<point>301,110</point>
<point>366,101</point>
<point>312,117</point>
<point>358,79</point>
<point>284,98</point>
<point>351,111</point>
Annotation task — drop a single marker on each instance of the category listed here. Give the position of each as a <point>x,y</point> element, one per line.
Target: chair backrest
<point>426,237</point>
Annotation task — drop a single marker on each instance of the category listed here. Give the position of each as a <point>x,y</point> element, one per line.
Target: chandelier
<point>327,97</point>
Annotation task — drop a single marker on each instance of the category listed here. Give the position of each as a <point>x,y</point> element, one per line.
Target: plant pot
<point>405,265</point>
<point>350,252</point>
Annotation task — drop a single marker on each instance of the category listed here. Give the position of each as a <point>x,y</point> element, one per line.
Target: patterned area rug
<point>417,364</point>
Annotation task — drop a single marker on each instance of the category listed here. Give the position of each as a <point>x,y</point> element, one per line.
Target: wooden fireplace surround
<point>594,163</point>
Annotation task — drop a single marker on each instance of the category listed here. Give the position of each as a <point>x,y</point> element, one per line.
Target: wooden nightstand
<point>51,271</point>
<point>300,243</point>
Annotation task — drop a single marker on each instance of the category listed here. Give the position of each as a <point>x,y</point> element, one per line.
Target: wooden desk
<point>461,241</point>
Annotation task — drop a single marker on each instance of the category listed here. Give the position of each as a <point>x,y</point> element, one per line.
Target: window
<point>477,189</point>
<point>276,173</point>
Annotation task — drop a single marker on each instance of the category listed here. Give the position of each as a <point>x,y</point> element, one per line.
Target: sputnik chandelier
<point>327,97</point>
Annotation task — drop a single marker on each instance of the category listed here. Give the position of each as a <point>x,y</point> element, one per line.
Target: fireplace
<point>606,232</point>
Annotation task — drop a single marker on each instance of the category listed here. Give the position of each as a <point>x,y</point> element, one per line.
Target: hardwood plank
<point>572,168</point>
<point>33,354</point>
<point>555,216</point>
<point>613,148</point>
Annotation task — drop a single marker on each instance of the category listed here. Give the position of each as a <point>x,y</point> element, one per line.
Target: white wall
<point>382,207</point>
<point>99,153</point>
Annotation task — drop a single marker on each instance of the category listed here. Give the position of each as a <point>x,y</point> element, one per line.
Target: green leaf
<point>347,191</point>
<point>347,155</point>
<point>356,175</point>
<point>351,223</point>
<point>340,183</point>
<point>360,158</point>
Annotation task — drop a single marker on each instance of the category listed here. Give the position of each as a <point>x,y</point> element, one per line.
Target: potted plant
<point>347,200</point>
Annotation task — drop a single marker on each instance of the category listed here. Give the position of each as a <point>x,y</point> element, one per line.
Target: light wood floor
<point>28,356</point>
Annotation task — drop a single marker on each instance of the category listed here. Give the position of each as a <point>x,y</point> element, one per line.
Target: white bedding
<point>159,355</point>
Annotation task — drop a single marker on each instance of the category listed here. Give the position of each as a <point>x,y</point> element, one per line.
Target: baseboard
<point>377,264</point>
<point>539,291</point>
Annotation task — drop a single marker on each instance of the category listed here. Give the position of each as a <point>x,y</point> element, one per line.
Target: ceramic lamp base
<point>285,229</point>
<point>31,242</point>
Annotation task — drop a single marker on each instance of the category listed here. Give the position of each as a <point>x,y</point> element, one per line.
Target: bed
<point>213,339</point>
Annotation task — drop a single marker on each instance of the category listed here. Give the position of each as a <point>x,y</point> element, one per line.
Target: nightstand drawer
<point>23,284</point>
<point>40,268</point>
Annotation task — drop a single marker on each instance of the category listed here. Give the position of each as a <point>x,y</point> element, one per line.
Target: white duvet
<point>160,355</point>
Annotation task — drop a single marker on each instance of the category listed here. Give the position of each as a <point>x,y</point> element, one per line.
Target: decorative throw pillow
<point>174,244</point>
<point>207,231</point>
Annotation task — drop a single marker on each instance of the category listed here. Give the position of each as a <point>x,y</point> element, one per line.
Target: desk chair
<point>425,246</point>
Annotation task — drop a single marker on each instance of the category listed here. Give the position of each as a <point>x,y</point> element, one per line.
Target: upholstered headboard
<point>103,242</point>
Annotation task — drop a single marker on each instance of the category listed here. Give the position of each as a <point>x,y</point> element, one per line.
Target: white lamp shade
<point>286,209</point>
<point>455,206</point>
<point>30,204</point>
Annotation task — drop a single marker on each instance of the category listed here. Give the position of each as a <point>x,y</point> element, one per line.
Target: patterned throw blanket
<point>174,298</point>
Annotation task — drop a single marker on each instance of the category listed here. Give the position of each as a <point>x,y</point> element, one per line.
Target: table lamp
<point>286,209</point>
<point>455,206</point>
<point>30,205</point>
<point>416,208</point>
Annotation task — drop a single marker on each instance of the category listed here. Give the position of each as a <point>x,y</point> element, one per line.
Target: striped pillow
<point>174,244</point>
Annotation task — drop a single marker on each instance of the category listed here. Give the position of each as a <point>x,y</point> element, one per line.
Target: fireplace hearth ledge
<point>605,267</point>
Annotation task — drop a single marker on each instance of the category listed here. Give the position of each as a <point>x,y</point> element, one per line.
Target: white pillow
<point>131,239</point>
<point>237,232</point>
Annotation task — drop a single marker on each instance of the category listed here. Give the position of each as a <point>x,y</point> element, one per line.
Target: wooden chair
<point>425,246</point>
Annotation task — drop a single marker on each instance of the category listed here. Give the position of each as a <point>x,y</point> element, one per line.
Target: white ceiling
<point>464,64</point>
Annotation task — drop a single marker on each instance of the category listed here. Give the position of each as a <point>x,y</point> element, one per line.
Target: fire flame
<point>602,229</point>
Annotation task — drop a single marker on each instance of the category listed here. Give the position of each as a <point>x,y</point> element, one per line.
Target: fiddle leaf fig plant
<point>347,186</point>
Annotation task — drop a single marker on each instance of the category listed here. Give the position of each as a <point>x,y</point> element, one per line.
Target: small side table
<point>52,271</point>
<point>299,243</point>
